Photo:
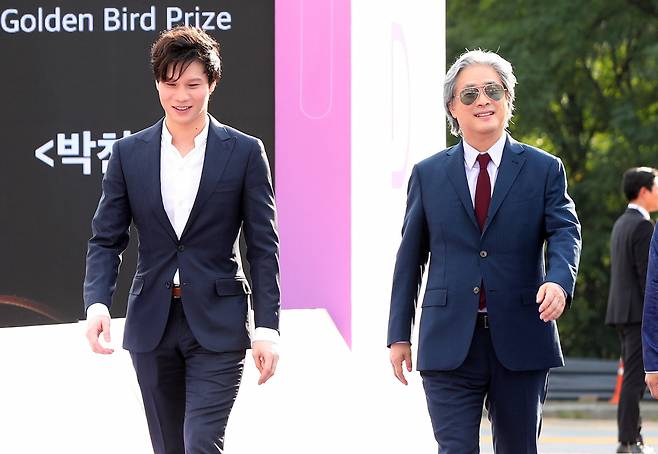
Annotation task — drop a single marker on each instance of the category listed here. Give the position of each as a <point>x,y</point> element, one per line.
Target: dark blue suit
<point>235,192</point>
<point>650,311</point>
<point>530,215</point>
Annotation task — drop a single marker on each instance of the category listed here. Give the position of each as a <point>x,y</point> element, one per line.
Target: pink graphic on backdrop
<point>312,140</point>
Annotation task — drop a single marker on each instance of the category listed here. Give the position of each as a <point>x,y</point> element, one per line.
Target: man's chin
<point>488,131</point>
<point>184,118</point>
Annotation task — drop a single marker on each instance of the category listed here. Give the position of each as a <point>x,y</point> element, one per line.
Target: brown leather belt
<point>176,292</point>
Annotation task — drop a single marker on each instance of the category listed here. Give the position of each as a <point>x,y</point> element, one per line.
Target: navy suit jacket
<point>650,312</point>
<point>530,217</point>
<point>235,192</point>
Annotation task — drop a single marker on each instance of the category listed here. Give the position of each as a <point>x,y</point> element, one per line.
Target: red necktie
<point>482,190</point>
<point>482,200</point>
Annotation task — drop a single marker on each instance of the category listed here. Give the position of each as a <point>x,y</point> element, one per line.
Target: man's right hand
<point>95,326</point>
<point>652,383</point>
<point>400,352</point>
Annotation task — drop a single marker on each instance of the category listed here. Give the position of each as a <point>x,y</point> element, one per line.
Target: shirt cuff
<point>265,334</point>
<point>651,371</point>
<point>97,309</point>
<point>402,342</point>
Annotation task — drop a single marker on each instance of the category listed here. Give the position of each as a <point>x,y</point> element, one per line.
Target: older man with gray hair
<point>501,234</point>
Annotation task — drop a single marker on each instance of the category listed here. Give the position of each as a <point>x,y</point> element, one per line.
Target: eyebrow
<point>485,83</point>
<point>195,80</point>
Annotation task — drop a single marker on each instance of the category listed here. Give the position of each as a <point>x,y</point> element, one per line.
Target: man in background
<point>629,251</point>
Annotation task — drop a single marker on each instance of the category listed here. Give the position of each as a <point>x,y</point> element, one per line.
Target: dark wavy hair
<point>177,48</point>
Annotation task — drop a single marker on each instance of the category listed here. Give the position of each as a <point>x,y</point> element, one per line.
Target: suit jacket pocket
<point>231,287</point>
<point>435,297</point>
<point>136,287</point>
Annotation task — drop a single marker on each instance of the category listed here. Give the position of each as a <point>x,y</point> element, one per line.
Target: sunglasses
<point>493,91</point>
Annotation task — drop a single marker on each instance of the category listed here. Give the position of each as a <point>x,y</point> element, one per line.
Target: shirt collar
<point>200,138</point>
<point>642,211</point>
<point>495,152</point>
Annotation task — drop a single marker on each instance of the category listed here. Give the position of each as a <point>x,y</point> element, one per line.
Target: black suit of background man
<point>629,251</point>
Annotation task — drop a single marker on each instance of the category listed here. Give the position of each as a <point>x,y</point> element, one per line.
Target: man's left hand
<point>551,300</point>
<point>266,357</point>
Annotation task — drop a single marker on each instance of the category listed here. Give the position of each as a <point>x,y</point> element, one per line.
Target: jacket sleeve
<point>563,238</point>
<point>110,235</point>
<point>409,265</point>
<point>262,238</point>
<point>641,242</point>
<point>650,311</point>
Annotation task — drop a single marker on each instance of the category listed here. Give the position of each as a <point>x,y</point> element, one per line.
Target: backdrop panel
<point>76,77</point>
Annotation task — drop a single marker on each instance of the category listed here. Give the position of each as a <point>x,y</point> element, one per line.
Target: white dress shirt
<point>472,166</point>
<point>179,181</point>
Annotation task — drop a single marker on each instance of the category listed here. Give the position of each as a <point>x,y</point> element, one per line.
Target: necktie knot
<point>483,159</point>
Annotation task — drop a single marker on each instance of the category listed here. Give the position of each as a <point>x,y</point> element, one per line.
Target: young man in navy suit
<point>486,213</point>
<point>190,185</point>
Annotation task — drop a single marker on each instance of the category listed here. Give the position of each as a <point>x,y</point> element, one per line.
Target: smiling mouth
<point>484,114</point>
<point>182,109</point>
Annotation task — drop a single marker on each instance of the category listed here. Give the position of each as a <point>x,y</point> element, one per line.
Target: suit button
<point>483,254</point>
<point>168,284</point>
<point>181,248</point>
<point>476,290</point>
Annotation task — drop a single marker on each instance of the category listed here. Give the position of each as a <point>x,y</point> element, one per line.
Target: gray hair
<point>478,57</point>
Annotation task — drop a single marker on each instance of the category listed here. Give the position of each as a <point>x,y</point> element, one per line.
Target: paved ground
<point>56,396</point>
<point>595,410</point>
<point>576,436</point>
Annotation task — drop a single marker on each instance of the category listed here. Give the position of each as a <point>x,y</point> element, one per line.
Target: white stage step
<point>59,397</point>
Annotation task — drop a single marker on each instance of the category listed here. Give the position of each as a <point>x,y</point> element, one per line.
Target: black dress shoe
<point>630,448</point>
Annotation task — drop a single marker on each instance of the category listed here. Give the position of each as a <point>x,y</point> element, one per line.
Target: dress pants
<point>513,400</point>
<point>629,422</point>
<point>188,391</point>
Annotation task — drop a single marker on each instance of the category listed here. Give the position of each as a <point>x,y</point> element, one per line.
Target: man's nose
<point>181,94</point>
<point>482,99</point>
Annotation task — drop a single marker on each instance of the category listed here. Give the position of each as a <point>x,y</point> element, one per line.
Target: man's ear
<point>451,108</point>
<point>213,86</point>
<point>157,85</point>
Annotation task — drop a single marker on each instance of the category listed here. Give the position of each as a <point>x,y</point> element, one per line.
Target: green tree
<point>587,92</point>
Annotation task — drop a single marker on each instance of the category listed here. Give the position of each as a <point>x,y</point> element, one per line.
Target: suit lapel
<point>218,151</point>
<point>457,176</point>
<point>510,165</point>
<point>151,171</point>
